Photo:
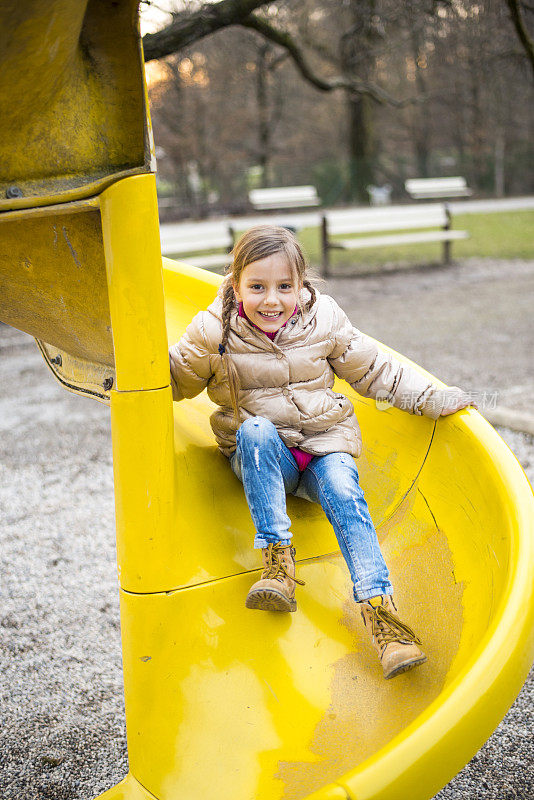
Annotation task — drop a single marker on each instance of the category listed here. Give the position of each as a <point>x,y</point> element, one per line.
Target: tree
<point>516,12</point>
<point>195,22</point>
<point>424,86</point>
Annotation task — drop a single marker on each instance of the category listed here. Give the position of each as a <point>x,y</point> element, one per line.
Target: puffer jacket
<point>289,380</point>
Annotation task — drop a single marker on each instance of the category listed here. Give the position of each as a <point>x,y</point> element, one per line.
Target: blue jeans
<point>268,471</point>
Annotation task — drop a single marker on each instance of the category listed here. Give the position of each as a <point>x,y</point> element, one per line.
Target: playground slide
<point>270,706</point>
<point>220,700</point>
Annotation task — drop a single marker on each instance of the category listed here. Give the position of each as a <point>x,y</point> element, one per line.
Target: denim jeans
<point>268,471</point>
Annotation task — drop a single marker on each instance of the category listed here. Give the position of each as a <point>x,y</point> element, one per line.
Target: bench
<point>285,197</point>
<point>392,218</point>
<point>429,188</point>
<point>201,238</point>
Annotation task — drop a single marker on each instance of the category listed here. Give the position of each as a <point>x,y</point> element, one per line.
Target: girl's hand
<point>455,400</point>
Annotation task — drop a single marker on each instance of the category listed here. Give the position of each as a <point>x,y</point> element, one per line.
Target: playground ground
<point>62,735</point>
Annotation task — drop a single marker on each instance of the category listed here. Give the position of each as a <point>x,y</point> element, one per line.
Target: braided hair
<point>228,302</point>
<point>306,283</point>
<point>256,244</point>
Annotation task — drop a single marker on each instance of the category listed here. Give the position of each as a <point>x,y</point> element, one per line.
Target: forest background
<point>341,94</point>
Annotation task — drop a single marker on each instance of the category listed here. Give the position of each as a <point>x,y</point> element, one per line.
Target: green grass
<point>498,235</point>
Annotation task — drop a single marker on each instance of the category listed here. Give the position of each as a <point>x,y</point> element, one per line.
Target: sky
<point>154,16</point>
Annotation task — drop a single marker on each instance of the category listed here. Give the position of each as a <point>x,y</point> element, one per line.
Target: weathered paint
<point>72,99</point>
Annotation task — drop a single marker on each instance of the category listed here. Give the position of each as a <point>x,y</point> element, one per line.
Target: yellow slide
<point>222,701</point>
<point>269,706</point>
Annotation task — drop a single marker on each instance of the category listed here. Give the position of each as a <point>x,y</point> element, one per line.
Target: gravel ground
<point>63,731</point>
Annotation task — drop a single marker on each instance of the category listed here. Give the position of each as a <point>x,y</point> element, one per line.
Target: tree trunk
<point>477,124</point>
<point>361,166</point>
<point>421,125</point>
<point>499,163</point>
<point>264,128</point>
<point>358,60</point>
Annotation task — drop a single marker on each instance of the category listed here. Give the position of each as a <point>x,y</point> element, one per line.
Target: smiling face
<point>268,292</point>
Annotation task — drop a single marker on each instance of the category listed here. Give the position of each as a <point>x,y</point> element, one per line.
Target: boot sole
<point>270,600</point>
<point>405,667</point>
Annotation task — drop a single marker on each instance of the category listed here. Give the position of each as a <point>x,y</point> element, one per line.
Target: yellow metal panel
<point>53,278</point>
<point>72,102</point>
<point>56,268</point>
<point>78,375</point>
<point>148,544</point>
<point>130,789</point>
<point>332,792</point>
<point>133,262</point>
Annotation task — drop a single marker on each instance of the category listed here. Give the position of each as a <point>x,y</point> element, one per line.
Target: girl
<point>268,349</point>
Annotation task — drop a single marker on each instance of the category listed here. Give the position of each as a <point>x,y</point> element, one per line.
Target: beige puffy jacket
<point>289,379</point>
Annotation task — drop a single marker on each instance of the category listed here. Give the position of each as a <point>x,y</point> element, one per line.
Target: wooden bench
<point>392,218</point>
<point>284,197</point>
<point>437,188</point>
<point>201,238</point>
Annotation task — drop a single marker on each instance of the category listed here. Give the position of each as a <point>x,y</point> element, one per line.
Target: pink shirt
<point>301,457</point>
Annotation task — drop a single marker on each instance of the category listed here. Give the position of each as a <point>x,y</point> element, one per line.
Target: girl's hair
<point>258,243</point>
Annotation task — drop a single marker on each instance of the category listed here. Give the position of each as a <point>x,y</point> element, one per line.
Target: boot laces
<point>275,567</point>
<point>387,628</point>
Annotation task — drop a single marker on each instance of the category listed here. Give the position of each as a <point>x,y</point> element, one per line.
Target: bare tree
<point>516,12</point>
<point>424,87</point>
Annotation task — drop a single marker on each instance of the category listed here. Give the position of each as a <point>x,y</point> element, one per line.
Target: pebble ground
<point>62,735</point>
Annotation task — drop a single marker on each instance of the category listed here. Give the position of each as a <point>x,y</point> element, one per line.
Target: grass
<point>503,235</point>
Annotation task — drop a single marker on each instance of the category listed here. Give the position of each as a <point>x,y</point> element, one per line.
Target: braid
<point>311,290</point>
<point>227,306</point>
<point>231,371</point>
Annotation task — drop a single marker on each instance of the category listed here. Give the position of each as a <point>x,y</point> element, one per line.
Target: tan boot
<point>275,591</point>
<point>395,643</point>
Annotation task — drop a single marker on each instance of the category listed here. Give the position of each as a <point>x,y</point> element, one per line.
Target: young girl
<point>268,349</point>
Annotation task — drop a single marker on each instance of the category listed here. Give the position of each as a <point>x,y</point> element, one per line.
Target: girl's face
<point>267,291</point>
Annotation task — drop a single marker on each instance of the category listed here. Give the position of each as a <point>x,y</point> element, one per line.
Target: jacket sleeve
<point>190,362</point>
<point>373,372</point>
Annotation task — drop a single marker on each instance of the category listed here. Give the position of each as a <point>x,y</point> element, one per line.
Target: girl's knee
<point>257,429</point>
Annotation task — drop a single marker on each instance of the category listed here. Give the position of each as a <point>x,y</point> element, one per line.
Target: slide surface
<point>267,706</point>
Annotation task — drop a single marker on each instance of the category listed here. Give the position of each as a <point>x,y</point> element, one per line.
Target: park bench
<point>437,188</point>
<point>285,197</point>
<point>376,221</point>
<point>202,239</point>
